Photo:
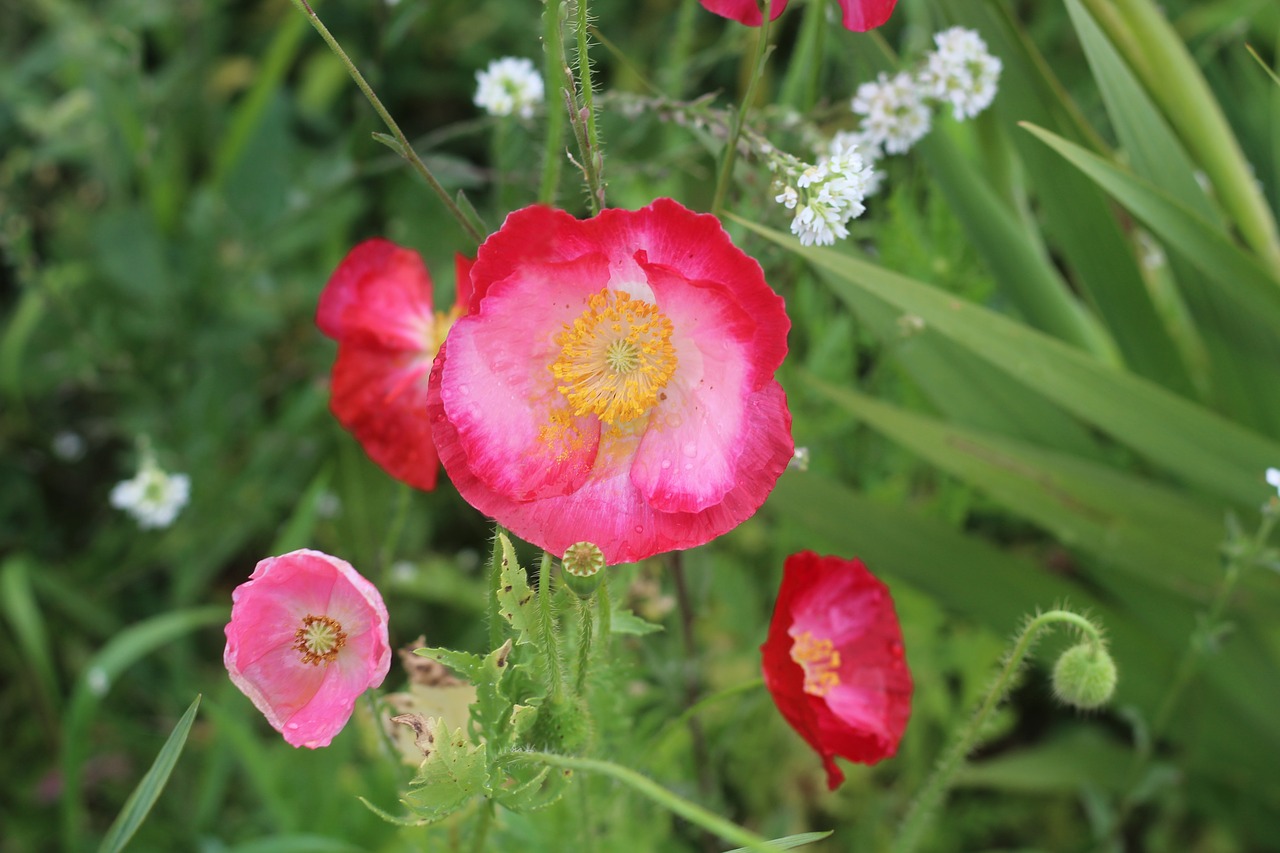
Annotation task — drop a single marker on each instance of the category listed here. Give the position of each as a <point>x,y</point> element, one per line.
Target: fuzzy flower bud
<point>1085,676</point>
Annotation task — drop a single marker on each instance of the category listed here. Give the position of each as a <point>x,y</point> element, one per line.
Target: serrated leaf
<point>522,719</point>
<point>623,621</point>
<point>389,817</point>
<point>467,665</point>
<point>453,772</point>
<point>516,600</point>
<point>533,787</point>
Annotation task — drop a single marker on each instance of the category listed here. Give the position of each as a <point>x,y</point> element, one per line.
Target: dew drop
<point>690,449</point>
<point>464,390</point>
<point>639,528</point>
<point>688,466</point>
<point>666,463</point>
<point>895,649</point>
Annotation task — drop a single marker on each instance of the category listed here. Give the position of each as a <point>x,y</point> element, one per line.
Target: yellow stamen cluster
<point>821,663</point>
<point>615,358</point>
<point>319,639</point>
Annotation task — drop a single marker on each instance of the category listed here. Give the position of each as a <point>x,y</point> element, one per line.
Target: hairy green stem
<point>586,620</point>
<point>547,628</point>
<point>557,82</point>
<point>731,144</point>
<point>691,812</point>
<point>592,162</point>
<point>491,592</point>
<point>935,788</point>
<point>405,148</point>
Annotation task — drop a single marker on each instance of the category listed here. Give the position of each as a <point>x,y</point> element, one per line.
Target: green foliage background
<point>178,180</point>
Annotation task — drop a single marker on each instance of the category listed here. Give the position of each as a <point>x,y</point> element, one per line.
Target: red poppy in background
<point>378,307</point>
<point>834,661</point>
<point>859,15</point>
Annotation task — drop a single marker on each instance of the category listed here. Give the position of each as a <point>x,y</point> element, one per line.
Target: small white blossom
<point>510,85</point>
<point>846,141</point>
<point>961,72</point>
<point>1150,252</point>
<point>788,198</point>
<point>825,197</point>
<point>799,460</point>
<point>153,497</point>
<point>894,114</point>
<point>403,571</point>
<point>1273,478</point>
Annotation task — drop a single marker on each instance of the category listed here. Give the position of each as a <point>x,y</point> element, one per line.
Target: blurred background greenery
<point>177,181</point>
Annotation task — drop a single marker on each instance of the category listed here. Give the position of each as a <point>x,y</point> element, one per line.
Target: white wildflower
<point>894,114</point>
<point>799,460</point>
<point>97,680</point>
<point>788,198</point>
<point>961,72</point>
<point>510,85</point>
<point>826,195</point>
<point>845,141</point>
<point>1273,478</point>
<point>153,497</point>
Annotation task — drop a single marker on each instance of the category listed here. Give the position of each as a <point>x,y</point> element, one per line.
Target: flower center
<point>319,639</point>
<point>821,663</point>
<point>615,358</point>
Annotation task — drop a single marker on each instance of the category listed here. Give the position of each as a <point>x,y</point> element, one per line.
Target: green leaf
<point>24,617</point>
<point>515,599</point>
<point>533,787</point>
<point>1151,531</point>
<point>148,791</point>
<point>1187,440</point>
<point>623,621</point>
<point>298,843</point>
<point>790,842</point>
<point>453,772</point>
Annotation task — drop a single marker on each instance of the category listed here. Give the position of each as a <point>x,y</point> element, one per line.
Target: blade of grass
<point>149,789</point>
<point>23,614</point>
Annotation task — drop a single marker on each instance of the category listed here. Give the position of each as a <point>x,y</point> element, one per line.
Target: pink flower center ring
<point>615,358</point>
<point>821,664</point>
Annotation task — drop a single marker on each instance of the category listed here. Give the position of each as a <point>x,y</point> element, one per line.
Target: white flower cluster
<point>510,85</point>
<point>825,195</point>
<point>894,114</point>
<point>961,72</point>
<point>153,497</point>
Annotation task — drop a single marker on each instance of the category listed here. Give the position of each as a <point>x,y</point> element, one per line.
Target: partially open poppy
<point>378,307</point>
<point>834,661</point>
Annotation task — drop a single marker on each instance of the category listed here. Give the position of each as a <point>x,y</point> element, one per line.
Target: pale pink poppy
<point>307,636</point>
<point>613,382</point>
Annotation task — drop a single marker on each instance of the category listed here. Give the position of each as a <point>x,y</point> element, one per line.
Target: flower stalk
<point>748,98</point>
<point>403,146</point>
<point>934,792</point>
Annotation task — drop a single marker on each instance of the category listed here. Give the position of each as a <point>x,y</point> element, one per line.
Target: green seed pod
<point>583,565</point>
<point>1085,676</point>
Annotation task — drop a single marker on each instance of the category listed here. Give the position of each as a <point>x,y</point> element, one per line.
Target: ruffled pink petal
<point>307,703</point>
<point>380,295</point>
<point>380,395</point>
<point>743,11</point>
<point>497,389</point>
<point>462,276</point>
<point>863,15</point>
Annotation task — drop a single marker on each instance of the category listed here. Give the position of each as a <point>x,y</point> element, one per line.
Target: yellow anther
<point>821,663</point>
<point>615,358</point>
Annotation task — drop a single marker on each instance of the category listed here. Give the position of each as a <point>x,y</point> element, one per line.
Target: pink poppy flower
<point>859,15</point>
<point>377,306</point>
<point>834,663</point>
<point>307,636</point>
<point>613,382</point>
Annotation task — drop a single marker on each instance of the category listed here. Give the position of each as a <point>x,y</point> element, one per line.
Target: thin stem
<point>592,162</point>
<point>405,149</point>
<point>547,627</point>
<point>586,623</point>
<point>484,819</point>
<point>691,812</point>
<point>935,789</point>
<point>553,46</point>
<point>731,145</point>
<point>495,581</point>
<point>396,527</point>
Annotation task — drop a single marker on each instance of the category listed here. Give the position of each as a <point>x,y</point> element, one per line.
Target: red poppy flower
<point>613,382</point>
<point>859,15</point>
<point>834,661</point>
<point>377,306</point>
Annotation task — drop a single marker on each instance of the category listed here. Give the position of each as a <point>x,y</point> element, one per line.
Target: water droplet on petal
<point>688,466</point>
<point>690,449</point>
<point>666,463</point>
<point>464,390</point>
<point>639,528</point>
